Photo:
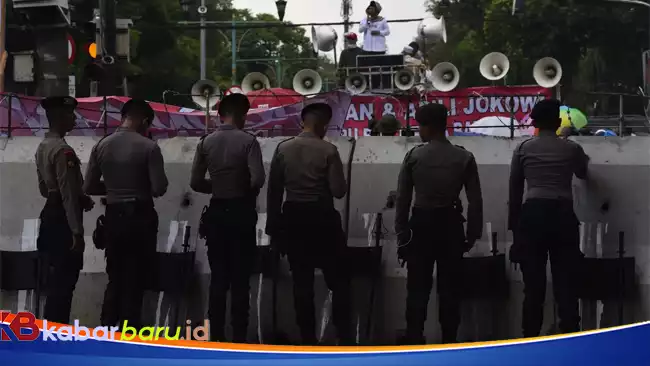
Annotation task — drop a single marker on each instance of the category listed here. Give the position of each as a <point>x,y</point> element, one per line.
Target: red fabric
<point>274,97</point>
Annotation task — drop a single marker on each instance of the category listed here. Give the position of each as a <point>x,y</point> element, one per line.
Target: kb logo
<point>21,328</point>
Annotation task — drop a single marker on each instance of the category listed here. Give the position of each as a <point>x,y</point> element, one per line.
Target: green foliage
<point>598,43</point>
<point>167,57</point>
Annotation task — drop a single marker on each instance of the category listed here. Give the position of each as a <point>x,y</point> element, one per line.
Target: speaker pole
<point>207,111</point>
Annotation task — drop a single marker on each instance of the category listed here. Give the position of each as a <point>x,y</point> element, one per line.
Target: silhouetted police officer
<point>233,159</point>
<point>133,170</point>
<point>310,170</point>
<point>61,232</point>
<point>546,224</point>
<point>437,171</point>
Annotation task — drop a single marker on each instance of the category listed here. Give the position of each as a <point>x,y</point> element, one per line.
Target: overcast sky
<point>319,11</point>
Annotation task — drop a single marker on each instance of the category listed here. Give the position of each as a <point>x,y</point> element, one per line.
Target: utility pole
<point>109,46</point>
<point>346,11</point>
<point>203,11</point>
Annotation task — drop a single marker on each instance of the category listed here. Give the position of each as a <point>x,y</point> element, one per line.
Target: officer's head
<point>60,113</point>
<point>432,119</point>
<point>138,115</point>
<point>233,109</point>
<point>316,117</point>
<point>546,115</point>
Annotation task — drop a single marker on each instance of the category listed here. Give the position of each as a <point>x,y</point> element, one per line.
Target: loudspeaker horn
<point>255,81</point>
<point>547,72</point>
<point>323,38</point>
<point>494,66</point>
<point>433,29</point>
<point>307,82</point>
<point>356,84</point>
<point>205,93</point>
<point>404,79</point>
<point>445,76</point>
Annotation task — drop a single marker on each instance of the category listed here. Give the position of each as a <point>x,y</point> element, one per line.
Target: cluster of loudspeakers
<point>444,76</point>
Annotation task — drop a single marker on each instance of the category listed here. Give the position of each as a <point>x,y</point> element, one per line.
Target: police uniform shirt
<point>132,167</point>
<point>59,169</point>
<point>309,169</point>
<point>547,164</point>
<point>438,171</point>
<point>233,159</point>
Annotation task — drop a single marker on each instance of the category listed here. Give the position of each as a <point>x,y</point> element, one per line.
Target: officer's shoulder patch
<point>521,145</point>
<point>410,152</point>
<point>70,156</point>
<point>283,141</point>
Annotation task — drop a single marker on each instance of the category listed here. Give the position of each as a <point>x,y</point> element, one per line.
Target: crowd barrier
<point>620,165</point>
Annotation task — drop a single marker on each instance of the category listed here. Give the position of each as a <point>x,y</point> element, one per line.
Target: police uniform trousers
<point>131,230</point>
<point>549,228</point>
<point>62,264</point>
<point>437,237</point>
<point>232,241</point>
<point>314,239</point>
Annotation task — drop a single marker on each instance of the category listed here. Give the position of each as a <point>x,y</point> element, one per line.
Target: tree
<point>167,57</point>
<point>598,43</point>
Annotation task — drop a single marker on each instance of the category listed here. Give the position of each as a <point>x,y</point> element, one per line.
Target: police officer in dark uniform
<point>437,171</point>
<point>133,170</point>
<point>61,233</point>
<point>546,223</point>
<point>310,171</point>
<point>233,159</point>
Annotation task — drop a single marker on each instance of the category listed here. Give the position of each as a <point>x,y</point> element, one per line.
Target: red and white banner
<point>465,106</point>
<point>351,114</point>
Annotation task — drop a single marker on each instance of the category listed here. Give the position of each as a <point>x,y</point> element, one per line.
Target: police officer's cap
<point>321,109</point>
<point>546,110</point>
<point>139,108</point>
<point>233,102</point>
<point>432,114</point>
<point>51,103</point>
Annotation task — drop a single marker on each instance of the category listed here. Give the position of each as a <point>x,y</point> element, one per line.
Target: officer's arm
<point>199,170</point>
<point>42,187</point>
<point>157,175</point>
<point>93,184</point>
<point>67,169</point>
<point>275,191</point>
<point>516,189</point>
<point>335,176</point>
<point>404,194</point>
<point>384,29</point>
<point>256,167</point>
<point>581,162</point>
<point>474,201</point>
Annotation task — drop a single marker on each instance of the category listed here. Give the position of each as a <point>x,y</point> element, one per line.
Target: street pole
<point>233,46</point>
<point>346,15</point>
<point>202,12</point>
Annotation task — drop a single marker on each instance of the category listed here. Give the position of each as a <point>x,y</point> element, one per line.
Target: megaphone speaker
<point>356,84</point>
<point>307,82</point>
<point>433,29</point>
<point>323,38</point>
<point>404,79</point>
<point>205,93</point>
<point>255,81</point>
<point>547,72</point>
<point>494,66</point>
<point>445,76</point>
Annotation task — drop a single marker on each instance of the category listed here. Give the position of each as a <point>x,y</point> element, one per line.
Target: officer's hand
<point>87,203</point>
<point>469,244</point>
<point>78,243</point>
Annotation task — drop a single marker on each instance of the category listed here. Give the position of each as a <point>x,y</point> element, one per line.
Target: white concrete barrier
<point>621,165</point>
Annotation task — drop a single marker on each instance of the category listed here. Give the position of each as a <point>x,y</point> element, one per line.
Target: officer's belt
<point>435,210</point>
<point>229,202</point>
<point>130,201</point>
